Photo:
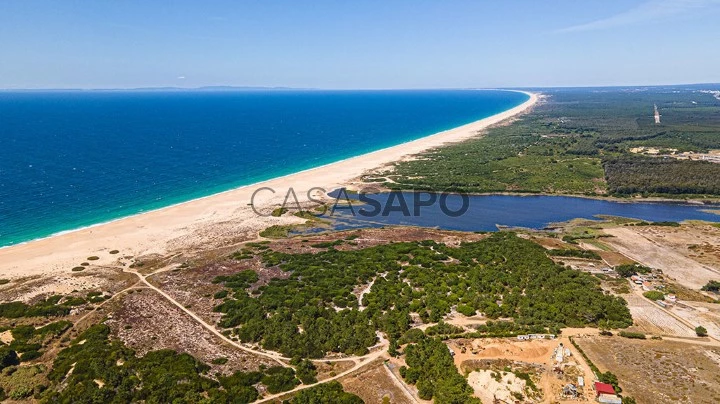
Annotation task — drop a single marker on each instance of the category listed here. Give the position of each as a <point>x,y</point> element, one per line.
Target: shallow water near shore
<point>487,212</point>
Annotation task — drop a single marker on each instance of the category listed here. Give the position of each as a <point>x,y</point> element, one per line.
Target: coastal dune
<point>215,219</point>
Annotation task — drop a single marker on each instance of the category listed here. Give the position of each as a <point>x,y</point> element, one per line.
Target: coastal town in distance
<point>352,226</point>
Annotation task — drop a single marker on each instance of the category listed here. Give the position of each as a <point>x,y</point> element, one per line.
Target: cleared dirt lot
<point>653,247</point>
<point>534,357</point>
<point>650,318</point>
<point>658,371</point>
<point>704,314</point>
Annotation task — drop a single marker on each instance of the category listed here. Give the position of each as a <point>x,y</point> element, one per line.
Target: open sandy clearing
<point>652,253</point>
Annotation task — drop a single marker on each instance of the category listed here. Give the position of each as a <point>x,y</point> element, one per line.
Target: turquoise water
<point>74,159</point>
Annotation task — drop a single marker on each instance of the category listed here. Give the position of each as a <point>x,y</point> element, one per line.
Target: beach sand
<point>213,220</point>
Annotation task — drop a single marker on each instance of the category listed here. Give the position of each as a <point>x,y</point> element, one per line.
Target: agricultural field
<point>648,245</point>
<point>649,318</point>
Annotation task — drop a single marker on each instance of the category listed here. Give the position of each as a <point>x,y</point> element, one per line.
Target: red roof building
<point>603,388</point>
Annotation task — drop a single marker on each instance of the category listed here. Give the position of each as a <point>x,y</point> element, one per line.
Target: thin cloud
<point>645,12</point>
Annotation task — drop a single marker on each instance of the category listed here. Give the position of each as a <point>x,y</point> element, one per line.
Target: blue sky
<point>357,44</point>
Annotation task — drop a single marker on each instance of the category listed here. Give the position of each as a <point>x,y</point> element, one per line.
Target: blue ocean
<point>70,159</point>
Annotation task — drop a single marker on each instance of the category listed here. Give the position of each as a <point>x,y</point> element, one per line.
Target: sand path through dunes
<point>212,220</point>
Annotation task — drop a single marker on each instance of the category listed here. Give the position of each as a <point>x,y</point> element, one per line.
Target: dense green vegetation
<point>96,369</point>
<point>711,286</point>
<point>314,311</point>
<point>632,335</point>
<point>431,369</point>
<point>29,340</point>
<point>575,253</point>
<point>443,328</point>
<point>628,270</point>
<point>577,141</point>
<point>701,331</point>
<point>326,393</point>
<point>651,175</point>
<point>50,307</point>
<point>654,295</point>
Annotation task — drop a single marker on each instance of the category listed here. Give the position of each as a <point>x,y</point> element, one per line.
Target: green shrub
<point>632,335</point>
<point>466,310</point>
<point>30,355</point>
<point>277,212</point>
<point>701,331</point>
<point>278,379</point>
<point>711,286</point>
<point>8,357</point>
<point>326,393</point>
<point>654,295</point>
<point>276,231</point>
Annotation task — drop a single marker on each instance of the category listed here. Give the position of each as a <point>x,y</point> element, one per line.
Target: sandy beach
<point>212,220</point>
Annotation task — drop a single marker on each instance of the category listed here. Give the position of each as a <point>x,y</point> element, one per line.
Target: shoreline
<point>261,182</point>
<point>216,217</point>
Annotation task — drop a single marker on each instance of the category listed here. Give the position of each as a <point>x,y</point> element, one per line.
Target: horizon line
<point>285,88</point>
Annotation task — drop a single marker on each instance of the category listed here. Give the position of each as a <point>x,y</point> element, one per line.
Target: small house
<point>603,388</point>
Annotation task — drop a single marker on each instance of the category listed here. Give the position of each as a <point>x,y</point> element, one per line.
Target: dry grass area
<point>614,258</point>
<point>146,321</point>
<point>365,238</point>
<point>551,243</point>
<point>330,369</point>
<point>656,371</point>
<point>666,248</point>
<point>193,287</point>
<point>649,318</point>
<point>372,383</point>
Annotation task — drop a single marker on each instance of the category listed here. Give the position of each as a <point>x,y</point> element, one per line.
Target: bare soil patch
<point>649,246</point>
<point>372,383</point>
